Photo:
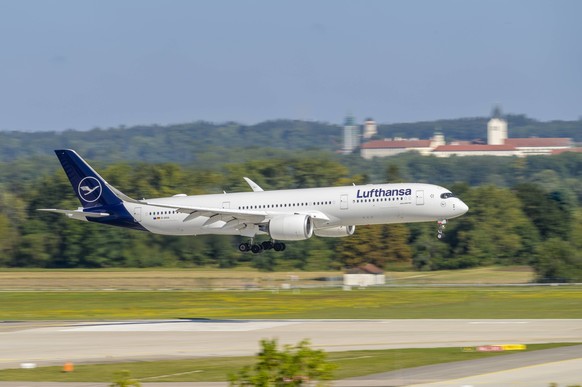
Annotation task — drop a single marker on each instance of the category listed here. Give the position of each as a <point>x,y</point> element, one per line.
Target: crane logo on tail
<point>89,189</point>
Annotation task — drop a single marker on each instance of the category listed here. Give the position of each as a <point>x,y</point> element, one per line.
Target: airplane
<point>283,215</point>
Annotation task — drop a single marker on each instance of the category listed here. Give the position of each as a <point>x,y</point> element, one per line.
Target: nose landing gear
<point>441,228</point>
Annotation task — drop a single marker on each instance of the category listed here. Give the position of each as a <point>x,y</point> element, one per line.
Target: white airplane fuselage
<point>343,206</point>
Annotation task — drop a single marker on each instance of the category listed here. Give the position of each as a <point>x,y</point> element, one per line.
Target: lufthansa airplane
<point>283,215</point>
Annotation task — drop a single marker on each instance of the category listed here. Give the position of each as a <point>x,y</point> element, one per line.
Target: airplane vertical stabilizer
<point>89,187</point>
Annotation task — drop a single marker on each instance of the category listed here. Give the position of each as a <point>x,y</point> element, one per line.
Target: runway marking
<point>498,322</point>
<point>353,358</point>
<point>167,376</point>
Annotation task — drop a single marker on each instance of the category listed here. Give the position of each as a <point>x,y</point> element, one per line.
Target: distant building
<point>560,151</point>
<point>496,131</point>
<point>364,275</point>
<point>474,150</point>
<point>370,129</point>
<point>498,144</point>
<point>539,145</point>
<point>496,128</point>
<point>351,135</point>
<point>386,147</point>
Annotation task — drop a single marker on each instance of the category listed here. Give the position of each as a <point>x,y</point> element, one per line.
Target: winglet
<point>254,186</point>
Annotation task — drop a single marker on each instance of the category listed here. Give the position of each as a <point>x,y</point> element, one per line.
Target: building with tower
<point>498,144</point>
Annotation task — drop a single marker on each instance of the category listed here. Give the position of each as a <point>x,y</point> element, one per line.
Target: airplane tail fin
<point>89,187</point>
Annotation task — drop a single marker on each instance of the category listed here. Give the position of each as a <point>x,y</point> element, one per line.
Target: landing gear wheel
<point>256,249</point>
<point>279,246</point>
<point>244,247</point>
<point>267,245</point>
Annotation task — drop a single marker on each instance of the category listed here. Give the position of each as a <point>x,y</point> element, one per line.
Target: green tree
<point>550,212</point>
<point>377,244</point>
<point>365,246</point>
<point>297,365</point>
<point>8,241</point>
<point>428,251</point>
<point>558,261</point>
<point>123,379</point>
<point>576,232</point>
<point>396,244</point>
<point>393,174</point>
<point>12,217</point>
<point>494,231</point>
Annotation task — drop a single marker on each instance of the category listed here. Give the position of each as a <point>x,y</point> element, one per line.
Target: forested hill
<point>184,143</point>
<point>173,143</point>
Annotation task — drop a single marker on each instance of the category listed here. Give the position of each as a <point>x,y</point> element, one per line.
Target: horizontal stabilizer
<point>76,214</point>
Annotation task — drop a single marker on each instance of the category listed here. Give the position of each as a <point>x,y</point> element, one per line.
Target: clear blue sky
<point>83,64</point>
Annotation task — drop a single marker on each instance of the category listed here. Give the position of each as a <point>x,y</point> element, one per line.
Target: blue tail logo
<point>91,189</point>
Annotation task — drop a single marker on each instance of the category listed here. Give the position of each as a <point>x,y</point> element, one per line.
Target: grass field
<point>184,279</point>
<point>383,303</point>
<point>350,364</point>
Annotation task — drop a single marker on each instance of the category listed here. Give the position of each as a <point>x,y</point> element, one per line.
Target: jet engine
<point>291,227</point>
<point>335,232</point>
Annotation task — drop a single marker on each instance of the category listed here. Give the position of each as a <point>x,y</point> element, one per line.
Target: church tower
<point>496,128</point>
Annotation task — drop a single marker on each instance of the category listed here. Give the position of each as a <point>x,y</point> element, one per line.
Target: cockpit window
<point>447,195</point>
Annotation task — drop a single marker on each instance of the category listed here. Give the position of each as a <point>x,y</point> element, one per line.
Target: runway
<point>53,343</point>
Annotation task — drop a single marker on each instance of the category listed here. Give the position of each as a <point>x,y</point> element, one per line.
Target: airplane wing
<point>76,214</point>
<point>244,216</point>
<point>231,215</point>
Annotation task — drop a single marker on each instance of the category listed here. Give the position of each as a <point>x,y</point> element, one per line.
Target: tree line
<point>522,211</point>
<point>205,143</point>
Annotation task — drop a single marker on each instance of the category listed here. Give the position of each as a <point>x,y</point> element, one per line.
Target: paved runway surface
<point>53,343</point>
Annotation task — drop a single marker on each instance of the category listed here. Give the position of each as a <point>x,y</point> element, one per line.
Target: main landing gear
<point>257,248</point>
<point>441,229</point>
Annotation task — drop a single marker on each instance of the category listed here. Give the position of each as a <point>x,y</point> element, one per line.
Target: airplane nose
<point>463,207</point>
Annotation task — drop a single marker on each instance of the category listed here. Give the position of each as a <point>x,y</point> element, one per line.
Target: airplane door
<point>419,197</point>
<point>137,214</point>
<point>344,202</point>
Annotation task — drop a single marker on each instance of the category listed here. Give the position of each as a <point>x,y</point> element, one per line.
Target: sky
<point>81,64</point>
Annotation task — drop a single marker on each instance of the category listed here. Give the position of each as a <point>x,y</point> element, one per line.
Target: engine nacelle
<point>291,227</point>
<point>335,232</point>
